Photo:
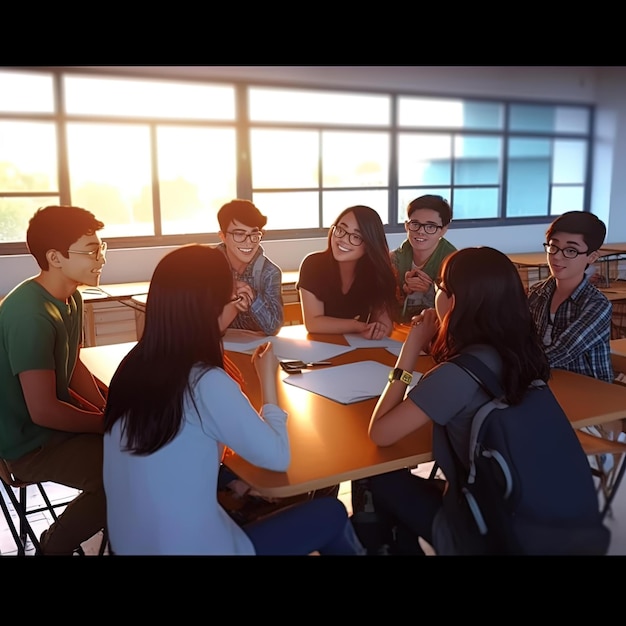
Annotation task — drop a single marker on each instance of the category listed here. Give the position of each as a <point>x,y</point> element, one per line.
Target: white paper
<point>346,384</point>
<point>288,348</point>
<point>237,340</point>
<point>285,348</point>
<point>356,341</point>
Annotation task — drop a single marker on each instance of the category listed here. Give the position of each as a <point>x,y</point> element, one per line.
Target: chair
<point>20,505</point>
<point>609,479</point>
<point>293,313</point>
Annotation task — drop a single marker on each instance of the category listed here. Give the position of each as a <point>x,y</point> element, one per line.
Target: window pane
<point>15,214</point>
<point>572,120</point>
<point>290,210</point>
<point>110,176</point>
<point>424,159</point>
<point>569,161</point>
<point>477,160</point>
<point>26,92</point>
<point>197,175</point>
<point>336,201</point>
<point>475,203</point>
<point>28,157</point>
<point>296,105</point>
<point>284,159</point>
<point>355,159</point>
<point>567,199</point>
<point>547,118</point>
<point>437,113</point>
<point>148,98</point>
<point>528,177</point>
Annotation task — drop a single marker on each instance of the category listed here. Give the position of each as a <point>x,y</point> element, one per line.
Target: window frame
<point>243,126</point>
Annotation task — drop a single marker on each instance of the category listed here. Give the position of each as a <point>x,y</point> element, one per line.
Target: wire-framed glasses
<point>353,238</point>
<point>429,229</point>
<point>239,236</point>
<point>568,253</point>
<point>96,254</point>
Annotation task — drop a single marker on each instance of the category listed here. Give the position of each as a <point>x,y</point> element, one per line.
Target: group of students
<point>143,450</point>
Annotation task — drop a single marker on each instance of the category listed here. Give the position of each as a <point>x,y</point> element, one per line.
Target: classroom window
<point>155,159</point>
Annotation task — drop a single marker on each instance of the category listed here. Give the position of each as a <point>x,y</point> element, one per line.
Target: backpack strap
<point>488,381</point>
<point>485,377</point>
<point>480,373</point>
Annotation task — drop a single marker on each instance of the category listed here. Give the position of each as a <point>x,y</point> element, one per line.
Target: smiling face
<point>240,253</point>
<point>421,241</point>
<point>344,249</point>
<point>564,269</point>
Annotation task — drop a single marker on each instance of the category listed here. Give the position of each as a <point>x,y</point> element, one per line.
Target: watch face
<point>406,378</point>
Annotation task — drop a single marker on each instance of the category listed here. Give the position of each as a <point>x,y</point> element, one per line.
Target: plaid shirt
<point>581,330</point>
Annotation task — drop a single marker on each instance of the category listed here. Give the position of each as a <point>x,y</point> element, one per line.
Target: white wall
<point>606,87</point>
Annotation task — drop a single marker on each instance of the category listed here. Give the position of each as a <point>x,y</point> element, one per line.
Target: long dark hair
<point>188,291</point>
<point>490,307</point>
<point>373,270</point>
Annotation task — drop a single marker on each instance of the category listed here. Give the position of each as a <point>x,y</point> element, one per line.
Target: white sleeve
<point>228,416</point>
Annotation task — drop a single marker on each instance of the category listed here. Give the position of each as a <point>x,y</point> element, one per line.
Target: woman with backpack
<point>481,308</point>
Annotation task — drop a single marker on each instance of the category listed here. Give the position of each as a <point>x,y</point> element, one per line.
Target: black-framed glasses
<point>568,253</point>
<point>96,254</point>
<point>439,287</point>
<point>429,229</point>
<point>353,238</point>
<point>239,236</point>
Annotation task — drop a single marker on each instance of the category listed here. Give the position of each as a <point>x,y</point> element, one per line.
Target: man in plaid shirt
<point>571,315</point>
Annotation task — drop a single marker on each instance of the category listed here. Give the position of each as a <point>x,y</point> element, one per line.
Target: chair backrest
<point>293,313</point>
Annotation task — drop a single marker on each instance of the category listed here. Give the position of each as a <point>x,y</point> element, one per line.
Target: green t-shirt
<point>37,332</point>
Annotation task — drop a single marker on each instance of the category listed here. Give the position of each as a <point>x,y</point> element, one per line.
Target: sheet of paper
<point>245,341</point>
<point>356,341</point>
<point>287,348</point>
<point>346,384</point>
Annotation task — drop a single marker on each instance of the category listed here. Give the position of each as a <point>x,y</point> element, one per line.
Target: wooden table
<point>329,441</point>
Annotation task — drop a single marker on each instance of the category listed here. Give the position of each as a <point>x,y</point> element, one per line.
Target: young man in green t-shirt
<point>51,414</point>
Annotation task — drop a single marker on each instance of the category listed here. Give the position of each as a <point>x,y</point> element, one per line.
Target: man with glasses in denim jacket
<point>573,317</point>
<point>258,282</point>
<point>417,261</point>
<point>51,409</point>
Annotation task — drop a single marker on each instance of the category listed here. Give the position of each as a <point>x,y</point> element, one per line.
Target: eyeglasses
<point>239,236</point>
<point>96,254</point>
<point>429,229</point>
<point>353,238</point>
<point>568,253</point>
<point>438,286</point>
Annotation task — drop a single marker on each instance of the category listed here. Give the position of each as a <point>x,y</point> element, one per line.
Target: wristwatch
<point>400,374</point>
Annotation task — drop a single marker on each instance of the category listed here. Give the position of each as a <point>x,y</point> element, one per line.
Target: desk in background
<point>108,312</point>
<point>111,314</point>
<point>329,441</point>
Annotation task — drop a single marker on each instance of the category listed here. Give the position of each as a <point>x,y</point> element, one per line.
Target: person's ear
<point>593,257</point>
<point>222,236</point>
<point>54,258</point>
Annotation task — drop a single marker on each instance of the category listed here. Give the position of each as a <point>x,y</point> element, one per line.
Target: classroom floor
<point>615,520</point>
